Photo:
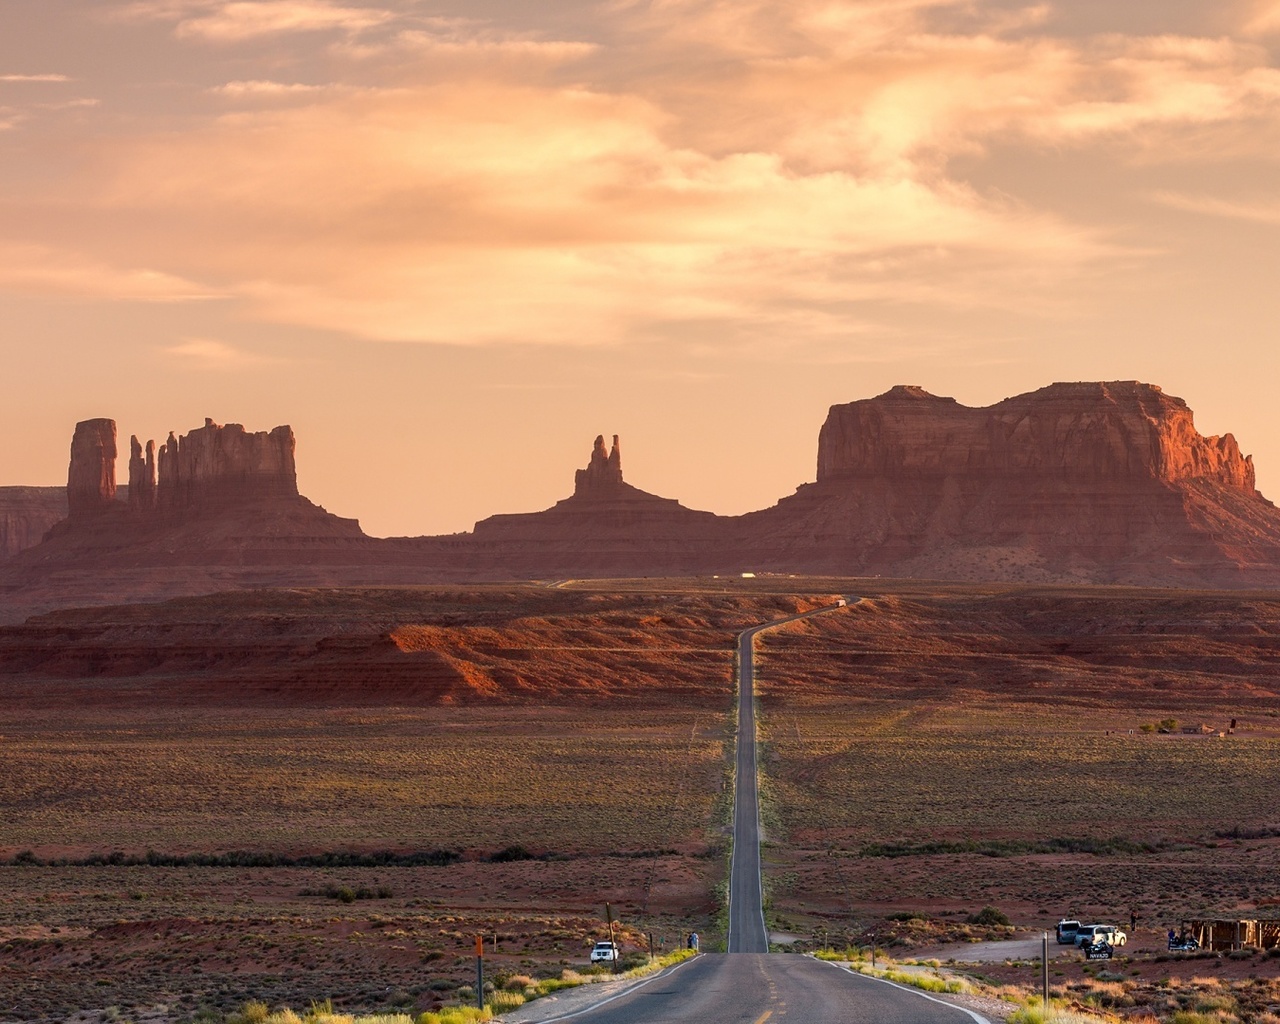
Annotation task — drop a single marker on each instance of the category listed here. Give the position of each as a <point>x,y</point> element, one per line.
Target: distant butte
<point>1078,482</point>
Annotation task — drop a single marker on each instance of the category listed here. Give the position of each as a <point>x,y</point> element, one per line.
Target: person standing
<point>1133,921</point>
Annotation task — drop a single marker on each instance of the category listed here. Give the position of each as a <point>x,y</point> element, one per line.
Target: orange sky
<point>450,243</point>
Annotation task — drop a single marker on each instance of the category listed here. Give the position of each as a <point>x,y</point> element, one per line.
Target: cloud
<point>1264,20</point>
<point>229,21</point>
<point>45,270</point>
<point>34,78</point>
<point>1267,212</point>
<point>744,167</point>
<point>492,211</point>
<point>265,89</point>
<point>210,354</point>
<point>245,20</point>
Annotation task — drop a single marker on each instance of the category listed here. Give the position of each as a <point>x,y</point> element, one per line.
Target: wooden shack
<point>1228,933</point>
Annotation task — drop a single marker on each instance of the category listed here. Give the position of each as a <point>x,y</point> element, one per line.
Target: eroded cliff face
<point>210,468</point>
<point>218,465</point>
<point>91,475</point>
<point>603,472</point>
<point>1077,482</point>
<point>1089,482</point>
<point>1086,433</point>
<point>607,526</point>
<point>26,514</point>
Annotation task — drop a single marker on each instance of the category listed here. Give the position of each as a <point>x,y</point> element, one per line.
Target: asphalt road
<point>747,932</point>
<point>750,986</point>
<point>758,988</point>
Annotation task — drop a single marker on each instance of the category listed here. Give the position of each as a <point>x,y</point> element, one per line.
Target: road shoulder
<point>568,1002</point>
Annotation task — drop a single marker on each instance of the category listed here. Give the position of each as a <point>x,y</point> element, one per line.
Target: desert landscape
<point>643,512</point>
<point>258,758</point>
<point>310,795</point>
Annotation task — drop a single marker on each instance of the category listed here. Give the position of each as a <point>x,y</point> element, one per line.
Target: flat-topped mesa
<point>91,475</point>
<point>603,473</point>
<point>216,465</point>
<point>1113,432</point>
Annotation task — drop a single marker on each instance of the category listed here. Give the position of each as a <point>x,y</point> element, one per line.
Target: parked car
<point>1067,932</point>
<point>1092,934</point>
<point>604,952</point>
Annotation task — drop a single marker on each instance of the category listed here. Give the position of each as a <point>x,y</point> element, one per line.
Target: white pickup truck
<point>1092,934</point>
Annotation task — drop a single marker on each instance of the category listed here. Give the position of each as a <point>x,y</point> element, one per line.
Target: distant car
<point>1067,932</point>
<point>604,952</point>
<point>1092,934</point>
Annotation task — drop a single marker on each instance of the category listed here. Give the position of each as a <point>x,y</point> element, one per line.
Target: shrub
<point>511,853</point>
<point>456,1015</point>
<point>254,1012</point>
<point>989,917</point>
<point>503,1000</point>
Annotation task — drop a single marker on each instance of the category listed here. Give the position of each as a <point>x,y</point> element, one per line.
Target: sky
<point>450,243</point>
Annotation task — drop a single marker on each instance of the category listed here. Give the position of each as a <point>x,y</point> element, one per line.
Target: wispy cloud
<point>265,88</point>
<point>1264,212</point>
<point>1264,20</point>
<point>228,21</point>
<point>34,78</point>
<point>211,354</point>
<point>245,20</point>
<point>43,269</point>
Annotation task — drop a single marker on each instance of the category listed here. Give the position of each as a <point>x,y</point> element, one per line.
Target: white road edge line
<point>909,988</point>
<point>626,992</point>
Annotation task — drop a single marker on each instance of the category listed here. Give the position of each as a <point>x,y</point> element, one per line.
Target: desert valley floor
<point>302,795</point>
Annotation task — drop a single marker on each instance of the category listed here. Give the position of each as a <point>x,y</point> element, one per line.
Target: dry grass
<point>1011,723</point>
<point>336,779</point>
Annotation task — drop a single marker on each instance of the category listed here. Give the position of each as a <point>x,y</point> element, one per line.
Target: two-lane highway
<point>751,986</point>
<point>756,988</point>
<point>747,931</point>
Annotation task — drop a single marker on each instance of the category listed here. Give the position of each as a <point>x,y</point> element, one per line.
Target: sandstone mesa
<point>1076,482</point>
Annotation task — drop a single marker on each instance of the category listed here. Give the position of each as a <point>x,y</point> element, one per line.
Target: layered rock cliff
<point>1085,433</point>
<point>1101,482</point>
<point>91,475</point>
<point>1081,482</point>
<point>216,508</point>
<point>220,465</point>
<point>26,514</point>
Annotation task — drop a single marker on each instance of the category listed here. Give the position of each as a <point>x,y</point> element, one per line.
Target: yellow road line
<point>764,1017</point>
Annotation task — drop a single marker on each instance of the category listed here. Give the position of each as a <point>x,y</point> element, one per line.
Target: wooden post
<point>1044,970</point>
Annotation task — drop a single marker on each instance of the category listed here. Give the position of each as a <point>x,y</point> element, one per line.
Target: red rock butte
<point>1077,482</point>
<point>1090,434</point>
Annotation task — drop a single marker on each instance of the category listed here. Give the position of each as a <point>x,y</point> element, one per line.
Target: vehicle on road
<point>605,952</point>
<point>1091,934</point>
<point>1097,950</point>
<point>1067,932</point>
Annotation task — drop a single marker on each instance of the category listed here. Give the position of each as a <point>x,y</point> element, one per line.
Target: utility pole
<point>479,972</point>
<point>1044,971</point>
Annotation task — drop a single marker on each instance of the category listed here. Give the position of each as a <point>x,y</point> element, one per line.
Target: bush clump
<point>990,917</point>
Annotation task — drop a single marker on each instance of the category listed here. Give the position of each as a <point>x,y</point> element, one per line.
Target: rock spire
<point>91,476</point>
<point>603,472</point>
